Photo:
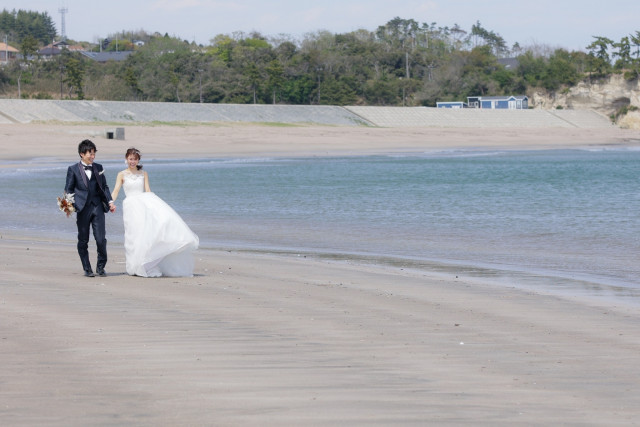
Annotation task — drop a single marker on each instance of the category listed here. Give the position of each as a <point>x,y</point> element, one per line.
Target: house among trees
<point>503,102</point>
<point>55,49</point>
<point>7,53</point>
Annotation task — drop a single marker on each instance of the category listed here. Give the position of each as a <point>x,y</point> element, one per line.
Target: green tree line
<point>16,25</point>
<point>402,62</point>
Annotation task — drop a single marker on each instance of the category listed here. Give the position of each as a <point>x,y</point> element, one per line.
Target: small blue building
<point>504,102</point>
<point>451,104</point>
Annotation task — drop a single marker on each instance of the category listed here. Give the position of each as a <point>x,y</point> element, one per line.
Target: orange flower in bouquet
<point>65,203</point>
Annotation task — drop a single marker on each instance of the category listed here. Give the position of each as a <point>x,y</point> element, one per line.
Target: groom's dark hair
<point>86,145</point>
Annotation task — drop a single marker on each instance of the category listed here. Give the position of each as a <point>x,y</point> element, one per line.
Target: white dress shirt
<point>89,172</point>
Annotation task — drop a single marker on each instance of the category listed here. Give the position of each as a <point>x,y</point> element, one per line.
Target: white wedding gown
<point>157,241</point>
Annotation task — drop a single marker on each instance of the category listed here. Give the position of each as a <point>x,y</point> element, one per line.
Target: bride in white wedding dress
<point>157,241</point>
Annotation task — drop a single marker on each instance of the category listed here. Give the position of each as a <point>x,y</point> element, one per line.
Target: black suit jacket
<point>78,183</point>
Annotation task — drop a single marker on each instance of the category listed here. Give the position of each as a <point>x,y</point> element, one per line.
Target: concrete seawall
<point>26,111</point>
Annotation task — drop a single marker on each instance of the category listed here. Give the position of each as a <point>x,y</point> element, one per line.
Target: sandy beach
<point>274,339</point>
<point>29,141</point>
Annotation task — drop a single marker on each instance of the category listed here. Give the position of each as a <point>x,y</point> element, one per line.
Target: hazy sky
<point>558,23</point>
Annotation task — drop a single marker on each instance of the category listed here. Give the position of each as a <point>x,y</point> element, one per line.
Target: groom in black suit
<point>87,182</point>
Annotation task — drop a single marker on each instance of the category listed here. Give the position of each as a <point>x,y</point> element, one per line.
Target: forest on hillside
<point>402,62</point>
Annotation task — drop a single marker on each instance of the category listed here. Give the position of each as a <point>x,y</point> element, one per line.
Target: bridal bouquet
<point>65,203</point>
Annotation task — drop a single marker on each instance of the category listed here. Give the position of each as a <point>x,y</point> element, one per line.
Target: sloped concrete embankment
<point>475,118</point>
<point>26,111</point>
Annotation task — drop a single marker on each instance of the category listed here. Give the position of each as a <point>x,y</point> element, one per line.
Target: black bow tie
<point>88,168</point>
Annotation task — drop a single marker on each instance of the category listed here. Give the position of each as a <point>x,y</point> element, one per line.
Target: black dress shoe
<point>89,273</point>
<point>101,272</point>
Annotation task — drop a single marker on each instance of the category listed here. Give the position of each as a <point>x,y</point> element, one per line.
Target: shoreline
<point>584,288</point>
<point>250,141</point>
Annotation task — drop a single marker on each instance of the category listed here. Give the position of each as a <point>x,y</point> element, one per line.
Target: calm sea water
<point>563,219</point>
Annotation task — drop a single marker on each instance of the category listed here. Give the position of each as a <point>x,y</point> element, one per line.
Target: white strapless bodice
<point>133,183</point>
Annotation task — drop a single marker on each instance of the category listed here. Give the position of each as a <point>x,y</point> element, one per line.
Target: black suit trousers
<point>92,216</point>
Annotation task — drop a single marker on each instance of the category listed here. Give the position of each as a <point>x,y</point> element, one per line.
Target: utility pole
<point>406,61</point>
<point>200,78</point>
<point>431,66</point>
<point>61,80</point>
<point>319,69</point>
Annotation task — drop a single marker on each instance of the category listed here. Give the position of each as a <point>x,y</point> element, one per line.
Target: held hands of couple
<point>112,207</point>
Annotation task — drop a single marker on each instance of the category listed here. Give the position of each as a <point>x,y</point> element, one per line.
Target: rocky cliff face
<point>605,96</point>
<point>630,121</point>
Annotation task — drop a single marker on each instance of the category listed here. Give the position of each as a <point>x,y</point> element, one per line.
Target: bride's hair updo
<point>133,152</point>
